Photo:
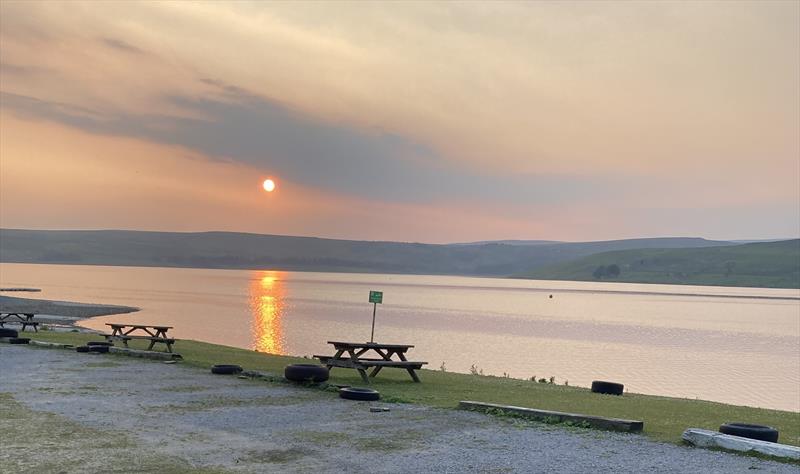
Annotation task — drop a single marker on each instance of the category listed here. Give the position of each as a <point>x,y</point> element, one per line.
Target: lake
<point>733,345</point>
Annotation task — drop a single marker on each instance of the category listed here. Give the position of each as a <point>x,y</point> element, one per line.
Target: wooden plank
<point>392,363</point>
<point>612,424</point>
<point>714,439</point>
<point>370,345</point>
<point>54,345</point>
<point>339,357</point>
<point>148,338</point>
<point>344,363</point>
<point>366,363</point>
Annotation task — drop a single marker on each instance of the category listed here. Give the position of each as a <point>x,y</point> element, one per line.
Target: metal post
<point>372,335</point>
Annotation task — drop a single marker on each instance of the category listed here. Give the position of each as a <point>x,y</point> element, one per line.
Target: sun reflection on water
<point>266,303</point>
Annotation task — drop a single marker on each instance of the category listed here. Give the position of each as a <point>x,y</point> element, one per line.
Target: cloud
<point>77,179</point>
<point>542,87</point>
<point>120,45</point>
<point>269,137</point>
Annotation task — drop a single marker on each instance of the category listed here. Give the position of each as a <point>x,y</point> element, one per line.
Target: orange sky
<point>433,122</point>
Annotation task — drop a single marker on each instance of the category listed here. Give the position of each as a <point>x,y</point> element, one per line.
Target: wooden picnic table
<point>25,319</point>
<point>18,316</point>
<point>125,329</point>
<point>350,355</point>
<point>155,334</point>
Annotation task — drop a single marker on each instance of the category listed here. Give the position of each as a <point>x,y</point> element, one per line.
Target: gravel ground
<point>193,419</point>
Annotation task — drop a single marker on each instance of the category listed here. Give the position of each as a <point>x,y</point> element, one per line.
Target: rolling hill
<point>771,264</point>
<point>255,251</point>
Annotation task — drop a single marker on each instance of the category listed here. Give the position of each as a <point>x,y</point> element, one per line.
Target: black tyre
<point>4,332</point>
<point>306,373</point>
<point>99,343</point>
<point>362,394</point>
<point>100,349</point>
<point>609,388</point>
<point>745,430</point>
<point>82,349</point>
<point>19,340</point>
<point>224,369</point>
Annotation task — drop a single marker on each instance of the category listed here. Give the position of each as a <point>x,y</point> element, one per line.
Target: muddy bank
<point>59,312</point>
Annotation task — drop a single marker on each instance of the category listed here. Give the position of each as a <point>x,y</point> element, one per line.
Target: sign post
<point>375,297</point>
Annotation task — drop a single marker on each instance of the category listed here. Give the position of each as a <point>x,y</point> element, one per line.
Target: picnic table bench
<point>154,334</point>
<point>25,319</point>
<point>349,356</point>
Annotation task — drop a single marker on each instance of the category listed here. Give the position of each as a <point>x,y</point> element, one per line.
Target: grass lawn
<point>664,418</point>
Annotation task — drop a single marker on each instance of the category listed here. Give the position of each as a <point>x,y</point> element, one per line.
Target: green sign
<point>376,297</point>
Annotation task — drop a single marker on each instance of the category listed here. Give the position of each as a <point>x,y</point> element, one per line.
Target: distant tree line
<point>606,271</point>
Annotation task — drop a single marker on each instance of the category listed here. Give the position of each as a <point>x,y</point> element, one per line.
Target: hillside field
<point>771,265</point>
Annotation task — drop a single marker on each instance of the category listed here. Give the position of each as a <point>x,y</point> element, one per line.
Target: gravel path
<point>208,421</point>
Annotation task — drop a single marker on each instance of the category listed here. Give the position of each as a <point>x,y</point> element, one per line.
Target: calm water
<point>654,338</point>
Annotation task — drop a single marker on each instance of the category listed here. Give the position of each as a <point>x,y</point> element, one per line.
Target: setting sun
<point>269,185</point>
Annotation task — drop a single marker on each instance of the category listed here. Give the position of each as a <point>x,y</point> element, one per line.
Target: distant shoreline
<point>538,290</point>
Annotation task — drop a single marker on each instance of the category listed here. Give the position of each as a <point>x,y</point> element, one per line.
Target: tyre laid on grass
<point>82,349</point>
<point>5,332</point>
<point>99,343</point>
<point>19,340</point>
<point>609,388</point>
<point>100,349</point>
<point>225,369</point>
<point>362,394</point>
<point>746,430</point>
<point>306,373</point>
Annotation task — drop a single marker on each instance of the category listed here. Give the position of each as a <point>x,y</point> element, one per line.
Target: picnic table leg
<point>362,372</point>
<point>364,376</point>
<point>375,371</point>
<point>150,347</point>
<point>413,375</point>
<point>335,357</point>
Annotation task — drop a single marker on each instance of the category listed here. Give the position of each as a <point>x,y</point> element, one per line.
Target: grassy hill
<point>772,264</point>
<point>255,251</point>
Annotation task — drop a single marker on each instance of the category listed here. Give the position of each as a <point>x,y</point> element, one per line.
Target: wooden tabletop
<point>115,325</point>
<point>370,345</point>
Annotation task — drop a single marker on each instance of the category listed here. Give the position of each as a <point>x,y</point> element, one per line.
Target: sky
<point>405,121</point>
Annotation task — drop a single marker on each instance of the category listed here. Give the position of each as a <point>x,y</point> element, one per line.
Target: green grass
<point>771,264</point>
<point>664,418</point>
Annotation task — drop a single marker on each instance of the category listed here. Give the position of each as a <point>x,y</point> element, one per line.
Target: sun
<point>269,185</point>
